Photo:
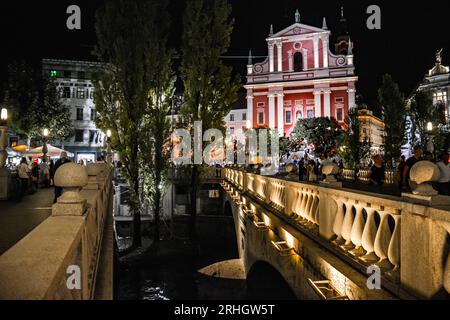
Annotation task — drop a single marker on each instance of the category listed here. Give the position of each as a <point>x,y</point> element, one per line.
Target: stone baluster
<point>357,231</point>
<point>302,210</point>
<point>382,241</point>
<point>347,226</point>
<point>339,221</point>
<point>394,245</point>
<point>297,203</point>
<point>368,237</point>
<point>315,210</point>
<point>308,207</point>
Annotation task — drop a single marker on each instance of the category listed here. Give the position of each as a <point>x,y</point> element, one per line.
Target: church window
<point>340,114</point>
<point>288,116</point>
<point>299,115</point>
<point>298,62</point>
<point>260,117</point>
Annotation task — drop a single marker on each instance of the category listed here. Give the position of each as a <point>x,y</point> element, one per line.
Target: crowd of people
<point>309,170</point>
<point>34,174</point>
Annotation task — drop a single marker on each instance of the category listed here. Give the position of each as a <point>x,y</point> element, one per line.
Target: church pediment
<point>296,29</point>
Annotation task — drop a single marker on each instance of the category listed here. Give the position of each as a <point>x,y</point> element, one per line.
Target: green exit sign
<point>53,74</point>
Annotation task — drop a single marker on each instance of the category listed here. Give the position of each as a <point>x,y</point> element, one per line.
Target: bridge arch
<point>274,286</point>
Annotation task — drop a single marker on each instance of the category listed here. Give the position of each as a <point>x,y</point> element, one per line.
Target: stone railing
<point>208,173</point>
<point>364,175</point>
<point>60,257</point>
<point>406,240</point>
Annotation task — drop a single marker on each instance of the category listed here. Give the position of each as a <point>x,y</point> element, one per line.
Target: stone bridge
<point>70,254</point>
<point>324,241</point>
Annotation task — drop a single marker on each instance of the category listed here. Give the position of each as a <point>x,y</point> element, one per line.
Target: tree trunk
<point>137,241</point>
<point>193,223</point>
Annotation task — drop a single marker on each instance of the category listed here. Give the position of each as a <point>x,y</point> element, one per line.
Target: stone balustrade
<point>364,175</point>
<point>47,262</point>
<point>406,240</point>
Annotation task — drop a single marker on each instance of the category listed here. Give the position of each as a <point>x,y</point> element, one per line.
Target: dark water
<point>171,270</point>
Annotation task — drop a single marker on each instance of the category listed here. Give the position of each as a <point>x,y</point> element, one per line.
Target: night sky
<point>404,47</point>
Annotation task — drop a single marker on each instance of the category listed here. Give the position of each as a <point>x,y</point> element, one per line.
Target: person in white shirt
<point>444,179</point>
<point>24,175</point>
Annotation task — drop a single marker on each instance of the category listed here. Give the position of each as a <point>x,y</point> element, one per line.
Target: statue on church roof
<point>297,16</point>
<point>438,56</point>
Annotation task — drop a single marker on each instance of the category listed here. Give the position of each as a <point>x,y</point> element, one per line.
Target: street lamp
<point>5,175</point>
<point>108,143</point>
<point>430,146</point>
<point>3,136</point>
<point>45,134</point>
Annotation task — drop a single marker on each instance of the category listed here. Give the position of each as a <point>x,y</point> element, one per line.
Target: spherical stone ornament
<point>329,168</point>
<point>93,169</point>
<point>424,171</point>
<point>71,175</point>
<point>291,168</point>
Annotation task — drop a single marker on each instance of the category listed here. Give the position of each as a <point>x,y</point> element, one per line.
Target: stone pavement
<point>17,219</point>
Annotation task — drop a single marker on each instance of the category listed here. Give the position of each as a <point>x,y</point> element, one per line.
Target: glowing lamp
<point>4,114</point>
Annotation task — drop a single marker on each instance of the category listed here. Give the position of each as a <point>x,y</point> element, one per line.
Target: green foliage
<point>351,149</point>
<point>133,93</point>
<point>209,89</point>
<point>35,104</point>
<point>322,133</point>
<point>394,116</point>
<point>422,110</point>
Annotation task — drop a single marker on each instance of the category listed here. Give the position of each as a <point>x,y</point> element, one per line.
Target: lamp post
<point>45,134</point>
<point>108,145</point>
<point>430,146</point>
<point>5,175</point>
<point>3,137</point>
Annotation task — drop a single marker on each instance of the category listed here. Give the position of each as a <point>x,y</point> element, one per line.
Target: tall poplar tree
<point>209,88</point>
<point>394,115</point>
<point>128,34</point>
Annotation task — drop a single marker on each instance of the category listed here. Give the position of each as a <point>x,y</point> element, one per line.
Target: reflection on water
<point>153,292</point>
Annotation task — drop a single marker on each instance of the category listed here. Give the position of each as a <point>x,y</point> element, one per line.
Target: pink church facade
<point>300,79</point>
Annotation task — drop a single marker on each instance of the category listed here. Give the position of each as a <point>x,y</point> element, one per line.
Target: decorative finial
<point>349,49</point>
<point>250,60</point>
<point>297,16</point>
<point>324,24</point>
<point>271,30</point>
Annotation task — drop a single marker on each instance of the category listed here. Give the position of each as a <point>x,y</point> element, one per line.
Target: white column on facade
<point>280,114</point>
<point>351,98</point>
<point>316,51</point>
<point>305,59</point>
<point>290,61</point>
<point>249,122</point>
<point>271,111</point>
<point>326,103</point>
<point>317,104</point>
<point>271,62</point>
<point>280,56</point>
<point>325,52</point>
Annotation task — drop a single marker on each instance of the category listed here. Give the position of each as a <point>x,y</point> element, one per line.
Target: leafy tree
<point>209,89</point>
<point>35,104</point>
<point>322,133</point>
<point>127,32</point>
<point>353,147</point>
<point>422,110</point>
<point>394,116</point>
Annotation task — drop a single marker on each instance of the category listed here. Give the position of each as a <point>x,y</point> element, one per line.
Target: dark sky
<point>404,47</point>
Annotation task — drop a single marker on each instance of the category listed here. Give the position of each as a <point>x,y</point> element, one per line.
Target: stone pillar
<point>291,64</point>
<point>316,51</point>
<point>271,111</point>
<point>280,114</point>
<point>280,56</point>
<point>271,60</point>
<point>249,121</point>
<point>351,98</point>
<point>317,104</point>
<point>325,52</point>
<point>72,177</point>
<point>327,104</point>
